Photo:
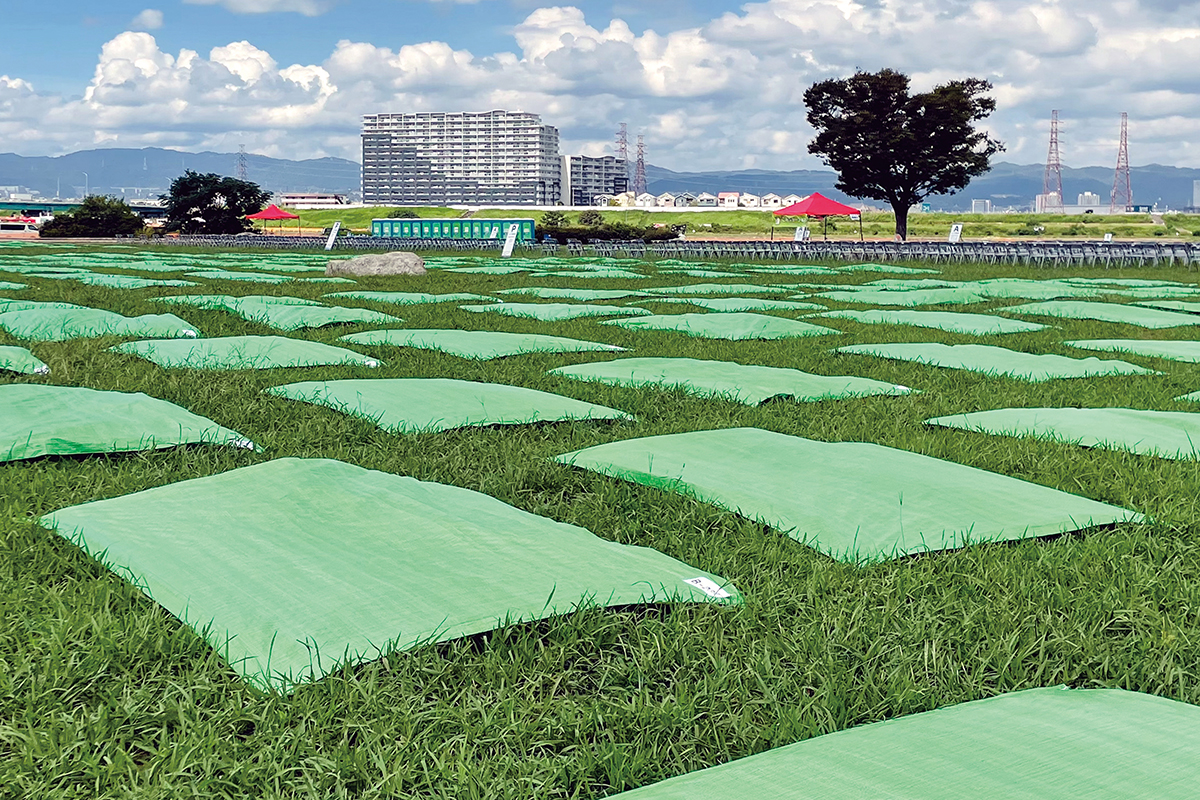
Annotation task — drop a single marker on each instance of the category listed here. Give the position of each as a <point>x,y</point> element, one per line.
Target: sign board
<point>926,208</point>
<point>1108,237</point>
<point>337,226</point>
<point>801,234</point>
<point>510,240</point>
<point>495,234</point>
<point>955,233</point>
<point>855,217</point>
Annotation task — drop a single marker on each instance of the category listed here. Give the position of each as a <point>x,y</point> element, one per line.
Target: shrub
<point>97,216</point>
<point>403,213</point>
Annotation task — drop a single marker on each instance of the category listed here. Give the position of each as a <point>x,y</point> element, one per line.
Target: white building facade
<point>584,178</point>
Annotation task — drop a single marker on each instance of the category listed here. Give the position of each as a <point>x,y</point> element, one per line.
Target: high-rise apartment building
<point>585,177</point>
<point>495,157</point>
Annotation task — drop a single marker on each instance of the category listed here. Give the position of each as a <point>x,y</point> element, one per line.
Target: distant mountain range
<point>147,172</point>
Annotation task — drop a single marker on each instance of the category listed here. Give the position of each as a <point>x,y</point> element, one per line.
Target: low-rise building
<point>747,200</point>
<point>311,199</point>
<point>772,200</point>
<point>665,199</point>
<point>728,199</point>
<point>706,200</point>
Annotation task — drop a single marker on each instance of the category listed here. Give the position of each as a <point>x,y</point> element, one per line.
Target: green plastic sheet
<point>716,288</point>
<point>226,275</point>
<point>993,360</point>
<point>415,405</point>
<point>38,420</point>
<point>242,352</point>
<point>732,304</point>
<point>21,361</point>
<point>112,281</point>
<point>24,305</point>
<point>12,287</point>
<point>913,297</point>
<point>585,295</point>
<point>1001,288</point>
<point>290,313</point>
<point>745,383</point>
<point>1106,312</point>
<point>1174,349</point>
<point>885,268</point>
<point>1171,305</point>
<point>491,269</point>
<point>48,324</point>
<point>1039,744</point>
<point>477,344</point>
<point>734,325</point>
<point>228,302</point>
<point>600,273</point>
<point>853,501</point>
<point>413,298</point>
<point>955,322</point>
<point>292,567</point>
<point>554,312</point>
<point>1166,434</point>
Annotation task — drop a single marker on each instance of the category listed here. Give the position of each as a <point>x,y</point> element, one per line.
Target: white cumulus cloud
<point>150,19</point>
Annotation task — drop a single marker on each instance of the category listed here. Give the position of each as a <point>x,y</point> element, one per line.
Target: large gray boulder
<point>397,263</point>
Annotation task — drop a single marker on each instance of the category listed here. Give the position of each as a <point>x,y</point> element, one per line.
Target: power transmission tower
<point>1122,193</point>
<point>623,149</point>
<point>1052,184</point>
<point>639,173</point>
<point>242,164</point>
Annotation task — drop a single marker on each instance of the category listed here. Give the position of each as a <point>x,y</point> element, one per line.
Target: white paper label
<point>708,586</point>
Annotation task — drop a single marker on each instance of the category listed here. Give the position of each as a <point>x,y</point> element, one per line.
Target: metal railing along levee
<point>1033,253</point>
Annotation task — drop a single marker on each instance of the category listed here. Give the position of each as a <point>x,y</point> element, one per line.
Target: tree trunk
<point>901,212</point>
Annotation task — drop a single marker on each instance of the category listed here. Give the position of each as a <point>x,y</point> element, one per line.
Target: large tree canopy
<point>96,216</point>
<point>887,144</point>
<point>211,203</point>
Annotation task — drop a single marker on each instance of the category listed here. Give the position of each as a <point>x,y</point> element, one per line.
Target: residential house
<point>706,200</point>
<point>665,199</point>
<point>646,200</point>
<point>684,199</point>
<point>727,199</point>
<point>748,200</point>
<point>772,200</point>
<point>790,200</point>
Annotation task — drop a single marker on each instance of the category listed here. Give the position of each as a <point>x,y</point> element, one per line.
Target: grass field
<point>875,224</point>
<point>105,695</point>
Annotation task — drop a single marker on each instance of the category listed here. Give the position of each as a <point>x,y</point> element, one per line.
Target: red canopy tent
<point>275,212</point>
<point>819,206</point>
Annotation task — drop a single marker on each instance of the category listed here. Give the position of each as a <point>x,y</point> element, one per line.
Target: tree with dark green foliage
<point>211,203</point>
<point>554,219</point>
<point>403,213</point>
<point>887,144</point>
<point>591,218</point>
<point>96,216</point>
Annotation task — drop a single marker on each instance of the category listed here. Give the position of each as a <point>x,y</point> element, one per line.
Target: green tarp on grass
<point>1039,744</point>
<point>25,305</point>
<point>477,344</point>
<point>413,405</point>
<point>12,287</point>
<point>745,383</point>
<point>289,313</point>
<point>716,288</point>
<point>700,273</point>
<point>585,295</point>
<point>955,322</point>
<point>885,268</point>
<point>38,420</point>
<point>49,324</point>
<point>912,297</point>
<point>111,281</point>
<point>1106,312</point>
<point>413,298</point>
<point>853,501</point>
<point>491,269</point>
<point>1171,305</point>
<point>732,304</point>
<point>227,302</point>
<point>1166,434</point>
<point>734,325</point>
<point>291,567</point>
<point>600,273</point>
<point>1174,349</point>
<point>225,275</point>
<point>21,361</point>
<point>992,360</point>
<point>553,312</point>
<point>242,352</point>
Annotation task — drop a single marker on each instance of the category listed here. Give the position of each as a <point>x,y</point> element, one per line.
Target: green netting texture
<point>550,312</point>
<point>52,324</point>
<point>717,288</point>
<point>242,352</point>
<point>281,313</point>
<point>1107,312</point>
<point>734,325</point>
<point>745,383</point>
<point>853,501</point>
<point>993,360</point>
<point>413,405</point>
<point>584,295</point>
<point>413,298</point>
<point>1175,349</point>
<point>10,286</point>
<point>1166,434</point>
<point>913,297</point>
<point>38,420</point>
<point>296,565</point>
<point>1039,744</point>
<point>886,268</point>
<point>1172,305</point>
<point>21,361</point>
<point>229,302</point>
<point>955,322</point>
<point>112,281</point>
<point>734,304</point>
<point>477,344</point>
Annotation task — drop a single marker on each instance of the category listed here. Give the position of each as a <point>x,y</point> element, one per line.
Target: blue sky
<point>711,84</point>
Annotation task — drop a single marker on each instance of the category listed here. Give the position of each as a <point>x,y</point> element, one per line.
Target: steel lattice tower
<point>1122,193</point>
<point>639,173</point>
<point>243,166</point>
<point>1052,183</point>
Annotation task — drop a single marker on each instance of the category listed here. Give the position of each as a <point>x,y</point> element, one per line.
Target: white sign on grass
<point>1108,237</point>
<point>956,233</point>
<point>337,226</point>
<point>801,234</point>
<point>510,241</point>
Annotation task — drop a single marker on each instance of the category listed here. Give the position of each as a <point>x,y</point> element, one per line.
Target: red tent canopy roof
<point>817,205</point>
<point>272,212</point>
